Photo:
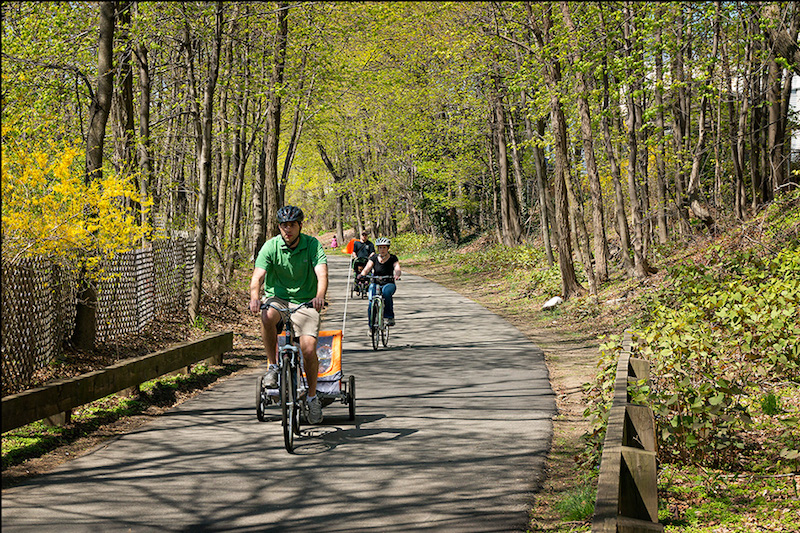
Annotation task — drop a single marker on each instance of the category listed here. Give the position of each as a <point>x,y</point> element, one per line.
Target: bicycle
<point>378,328</point>
<point>291,385</point>
<point>360,286</point>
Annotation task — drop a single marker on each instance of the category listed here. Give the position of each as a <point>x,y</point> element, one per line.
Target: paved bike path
<point>453,422</point>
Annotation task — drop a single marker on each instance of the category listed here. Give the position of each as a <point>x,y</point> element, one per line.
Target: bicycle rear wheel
<point>351,397</point>
<point>289,406</point>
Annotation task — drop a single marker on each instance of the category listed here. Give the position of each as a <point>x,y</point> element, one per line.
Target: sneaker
<point>390,321</point>
<point>271,378</point>
<point>314,411</point>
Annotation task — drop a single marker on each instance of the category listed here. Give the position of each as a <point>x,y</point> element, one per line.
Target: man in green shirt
<point>293,269</point>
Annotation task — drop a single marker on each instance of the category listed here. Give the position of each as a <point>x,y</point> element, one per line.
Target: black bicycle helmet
<point>290,213</point>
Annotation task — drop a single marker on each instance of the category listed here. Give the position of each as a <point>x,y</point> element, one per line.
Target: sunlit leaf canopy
<point>399,95</point>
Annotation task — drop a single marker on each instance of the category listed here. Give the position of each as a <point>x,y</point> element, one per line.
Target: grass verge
<point>38,438</point>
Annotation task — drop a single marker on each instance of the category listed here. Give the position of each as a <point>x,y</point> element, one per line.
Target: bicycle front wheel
<point>385,334</point>
<point>289,406</point>
<point>377,322</point>
<point>260,399</point>
<point>376,337</point>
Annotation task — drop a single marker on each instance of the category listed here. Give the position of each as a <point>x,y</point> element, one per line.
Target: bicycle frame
<point>379,331</point>
<point>290,379</point>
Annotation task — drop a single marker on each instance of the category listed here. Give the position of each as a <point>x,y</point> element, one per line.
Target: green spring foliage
<point>722,338</point>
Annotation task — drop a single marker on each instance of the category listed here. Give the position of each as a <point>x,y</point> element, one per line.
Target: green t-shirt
<point>290,273</point>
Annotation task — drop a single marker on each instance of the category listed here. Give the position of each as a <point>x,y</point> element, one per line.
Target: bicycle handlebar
<point>373,277</point>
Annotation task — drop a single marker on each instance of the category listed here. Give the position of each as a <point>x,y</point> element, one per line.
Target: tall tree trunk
<point>204,128</point>
<point>274,119</point>
<point>598,218</point>
<point>661,173</point>
<point>85,332</point>
<point>765,176</point>
<point>634,123</point>
<point>756,146</point>
<point>259,216</point>
<point>545,212</point>
<point>610,114</point>
<point>747,96</point>
<point>545,219</point>
<point>774,140</point>
<point>145,150</point>
<point>338,178</point>
<point>786,152</point>
<point>733,130</point>
<point>229,153</point>
<point>569,282</point>
<point>243,149</point>
<point>496,221</point>
<point>509,215</point>
<point>519,180</point>
<point>124,145</point>
<point>297,129</point>
<point>780,161</point>
<point>696,202</point>
<point>681,119</point>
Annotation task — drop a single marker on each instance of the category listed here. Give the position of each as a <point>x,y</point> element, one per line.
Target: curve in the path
<point>453,425</point>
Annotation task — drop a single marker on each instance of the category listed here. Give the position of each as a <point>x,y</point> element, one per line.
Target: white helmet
<point>382,241</point>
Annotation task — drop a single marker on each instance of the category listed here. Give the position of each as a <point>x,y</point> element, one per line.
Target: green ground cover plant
<point>721,334</point>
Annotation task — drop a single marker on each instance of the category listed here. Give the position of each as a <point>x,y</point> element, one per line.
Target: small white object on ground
<point>552,302</point>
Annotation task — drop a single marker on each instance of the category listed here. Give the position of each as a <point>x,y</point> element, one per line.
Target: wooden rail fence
<point>64,395</point>
<point>627,489</point>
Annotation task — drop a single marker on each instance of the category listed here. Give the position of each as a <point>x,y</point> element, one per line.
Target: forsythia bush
<point>48,209</point>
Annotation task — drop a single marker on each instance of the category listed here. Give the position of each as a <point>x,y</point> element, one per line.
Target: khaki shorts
<point>306,321</point>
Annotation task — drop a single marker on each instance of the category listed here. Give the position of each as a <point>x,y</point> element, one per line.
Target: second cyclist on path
<point>383,263</point>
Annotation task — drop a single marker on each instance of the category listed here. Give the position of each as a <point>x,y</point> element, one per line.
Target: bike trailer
<point>329,353</point>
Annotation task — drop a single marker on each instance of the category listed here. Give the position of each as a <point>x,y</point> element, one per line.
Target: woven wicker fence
<point>39,303</point>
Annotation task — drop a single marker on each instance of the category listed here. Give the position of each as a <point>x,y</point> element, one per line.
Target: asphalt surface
<point>453,423</point>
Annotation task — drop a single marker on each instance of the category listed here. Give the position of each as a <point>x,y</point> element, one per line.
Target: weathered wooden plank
<point>63,395</point>
<point>638,368</point>
<point>638,490</point>
<point>640,428</point>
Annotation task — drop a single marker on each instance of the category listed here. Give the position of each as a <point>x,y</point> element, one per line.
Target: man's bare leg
<point>308,345</point>
<point>269,334</point>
